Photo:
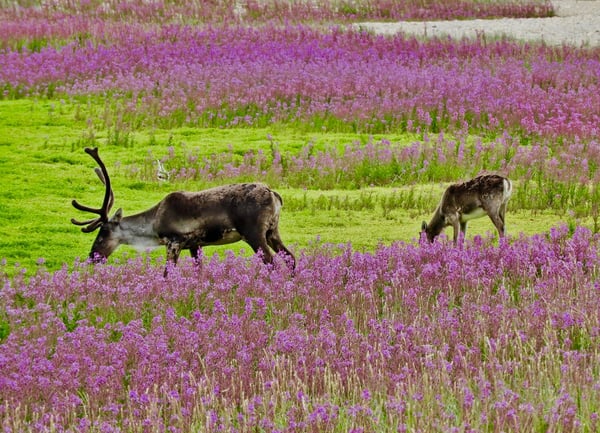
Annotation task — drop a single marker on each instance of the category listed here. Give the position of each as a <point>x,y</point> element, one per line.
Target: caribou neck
<point>437,223</point>
<point>138,230</point>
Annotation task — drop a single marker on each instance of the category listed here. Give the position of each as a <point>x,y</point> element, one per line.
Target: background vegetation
<point>366,202</point>
<point>374,331</point>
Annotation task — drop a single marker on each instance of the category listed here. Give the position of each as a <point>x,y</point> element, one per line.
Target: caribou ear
<point>117,216</point>
<point>423,226</point>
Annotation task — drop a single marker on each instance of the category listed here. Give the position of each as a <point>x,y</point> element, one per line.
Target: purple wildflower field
<point>66,19</point>
<point>352,341</point>
<point>327,80</point>
<point>492,336</point>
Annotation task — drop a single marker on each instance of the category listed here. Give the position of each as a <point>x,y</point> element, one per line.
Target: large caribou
<point>483,195</point>
<point>189,220</point>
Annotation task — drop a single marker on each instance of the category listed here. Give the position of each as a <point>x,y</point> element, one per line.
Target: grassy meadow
<point>375,330</point>
<point>44,167</point>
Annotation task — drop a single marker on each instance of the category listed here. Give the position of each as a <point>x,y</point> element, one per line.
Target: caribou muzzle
<point>96,257</point>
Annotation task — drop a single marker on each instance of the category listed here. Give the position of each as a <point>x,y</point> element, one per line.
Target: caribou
<point>189,220</point>
<point>483,195</point>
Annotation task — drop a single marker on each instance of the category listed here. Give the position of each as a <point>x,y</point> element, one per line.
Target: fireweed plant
<point>381,162</point>
<point>36,23</point>
<point>406,338</point>
<point>493,336</point>
<point>335,80</point>
<point>561,177</point>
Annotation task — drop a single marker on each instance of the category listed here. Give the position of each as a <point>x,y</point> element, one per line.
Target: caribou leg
<point>275,242</point>
<point>194,251</point>
<point>259,243</point>
<point>499,223</point>
<point>173,251</point>
<point>463,229</point>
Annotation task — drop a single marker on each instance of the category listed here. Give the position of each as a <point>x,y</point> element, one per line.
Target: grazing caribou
<point>189,220</point>
<point>483,195</point>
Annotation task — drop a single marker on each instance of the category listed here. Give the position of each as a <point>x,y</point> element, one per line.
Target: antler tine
<point>83,223</point>
<point>93,224</point>
<point>79,206</point>
<point>101,177</point>
<point>103,211</point>
<point>108,194</point>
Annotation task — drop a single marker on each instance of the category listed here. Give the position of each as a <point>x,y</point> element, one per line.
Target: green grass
<point>44,167</point>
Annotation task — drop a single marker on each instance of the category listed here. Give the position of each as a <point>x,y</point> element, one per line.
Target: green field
<point>44,167</point>
<point>374,329</point>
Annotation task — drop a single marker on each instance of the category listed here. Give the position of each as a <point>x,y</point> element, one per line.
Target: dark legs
<point>258,243</point>
<point>273,240</point>
<point>499,223</point>
<point>497,216</point>
<point>173,250</point>
<point>501,214</point>
<point>461,233</point>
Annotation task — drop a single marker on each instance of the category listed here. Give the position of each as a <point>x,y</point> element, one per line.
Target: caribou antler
<point>103,212</point>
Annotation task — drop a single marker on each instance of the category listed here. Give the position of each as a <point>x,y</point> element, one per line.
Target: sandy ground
<point>577,23</point>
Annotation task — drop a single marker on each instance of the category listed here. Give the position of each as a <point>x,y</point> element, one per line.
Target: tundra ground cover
<point>560,177</point>
<point>34,24</point>
<point>333,80</point>
<point>351,342</point>
<point>44,168</point>
<point>399,336</point>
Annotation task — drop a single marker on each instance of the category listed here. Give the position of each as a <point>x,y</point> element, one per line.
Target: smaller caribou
<point>189,220</point>
<point>483,195</point>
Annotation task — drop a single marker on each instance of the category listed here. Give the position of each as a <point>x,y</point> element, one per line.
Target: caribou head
<point>461,202</point>
<point>189,220</point>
